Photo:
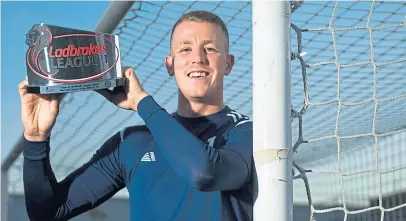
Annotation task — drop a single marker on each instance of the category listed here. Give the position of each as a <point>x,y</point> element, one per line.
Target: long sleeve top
<point>174,168</point>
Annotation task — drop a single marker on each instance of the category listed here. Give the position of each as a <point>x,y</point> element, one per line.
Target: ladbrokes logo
<point>72,51</point>
<point>60,59</point>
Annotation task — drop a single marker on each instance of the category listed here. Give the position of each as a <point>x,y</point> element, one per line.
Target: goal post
<point>272,110</point>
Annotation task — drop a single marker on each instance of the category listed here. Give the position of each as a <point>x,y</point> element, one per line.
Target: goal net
<point>348,100</point>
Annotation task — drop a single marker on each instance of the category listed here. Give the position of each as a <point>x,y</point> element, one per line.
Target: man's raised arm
<point>203,166</point>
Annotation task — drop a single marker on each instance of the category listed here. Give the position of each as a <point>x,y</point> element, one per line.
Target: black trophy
<point>62,60</point>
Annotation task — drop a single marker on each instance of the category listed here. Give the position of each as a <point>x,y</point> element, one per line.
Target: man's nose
<point>199,56</point>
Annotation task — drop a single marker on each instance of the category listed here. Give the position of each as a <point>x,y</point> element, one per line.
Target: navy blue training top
<point>175,168</point>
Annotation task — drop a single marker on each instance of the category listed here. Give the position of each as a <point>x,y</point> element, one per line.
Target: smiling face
<point>199,60</point>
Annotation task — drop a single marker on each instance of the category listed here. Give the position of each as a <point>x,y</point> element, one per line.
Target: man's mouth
<point>198,74</point>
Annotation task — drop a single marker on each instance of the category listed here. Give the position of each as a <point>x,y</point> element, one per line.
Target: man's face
<point>199,59</point>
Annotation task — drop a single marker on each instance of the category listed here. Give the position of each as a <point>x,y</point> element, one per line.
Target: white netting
<point>351,134</point>
<point>348,93</point>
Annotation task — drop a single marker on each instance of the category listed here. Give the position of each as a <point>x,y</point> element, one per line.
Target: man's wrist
<point>136,100</point>
<point>36,138</point>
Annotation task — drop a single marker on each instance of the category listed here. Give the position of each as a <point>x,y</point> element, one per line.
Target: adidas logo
<point>148,156</point>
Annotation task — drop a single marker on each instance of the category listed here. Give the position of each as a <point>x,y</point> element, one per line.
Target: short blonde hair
<point>201,16</point>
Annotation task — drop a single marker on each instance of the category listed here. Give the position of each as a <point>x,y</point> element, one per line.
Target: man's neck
<point>191,108</point>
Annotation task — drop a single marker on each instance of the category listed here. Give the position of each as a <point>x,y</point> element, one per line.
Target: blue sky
<point>16,20</point>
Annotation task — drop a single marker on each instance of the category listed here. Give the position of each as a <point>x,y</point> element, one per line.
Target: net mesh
<point>348,99</point>
<point>350,126</point>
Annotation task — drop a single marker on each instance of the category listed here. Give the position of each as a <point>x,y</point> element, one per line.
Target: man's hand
<point>130,96</point>
<point>38,112</point>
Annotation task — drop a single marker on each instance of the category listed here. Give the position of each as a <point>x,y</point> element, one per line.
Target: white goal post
<point>272,110</point>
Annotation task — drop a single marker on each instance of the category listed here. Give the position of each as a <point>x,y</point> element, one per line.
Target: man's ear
<point>229,64</point>
<point>169,65</point>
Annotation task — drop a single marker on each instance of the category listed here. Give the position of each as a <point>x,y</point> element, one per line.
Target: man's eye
<point>211,49</point>
<point>184,50</point>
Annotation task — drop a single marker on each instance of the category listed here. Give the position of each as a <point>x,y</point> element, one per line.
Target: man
<point>193,165</point>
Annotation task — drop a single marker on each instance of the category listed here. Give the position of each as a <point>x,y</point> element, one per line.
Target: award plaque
<point>63,60</point>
